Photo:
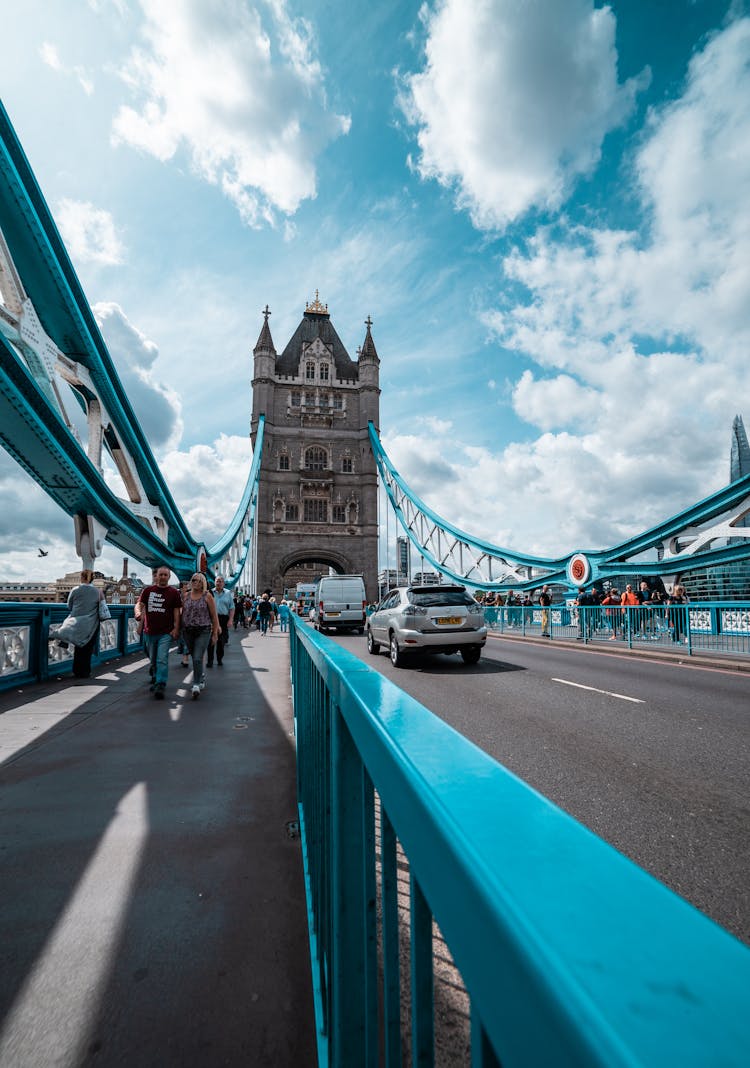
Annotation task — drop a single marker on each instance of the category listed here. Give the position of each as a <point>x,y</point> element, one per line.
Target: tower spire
<point>265,341</point>
<point>369,352</point>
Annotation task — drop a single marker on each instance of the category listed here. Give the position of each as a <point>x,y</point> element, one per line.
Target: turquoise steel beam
<point>40,273</point>
<point>58,298</point>
<point>448,549</point>
<point>56,461</point>
<point>570,953</point>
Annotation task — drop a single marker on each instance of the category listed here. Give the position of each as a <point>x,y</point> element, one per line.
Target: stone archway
<point>340,562</point>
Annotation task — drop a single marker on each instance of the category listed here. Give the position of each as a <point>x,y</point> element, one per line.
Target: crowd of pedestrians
<point>639,611</point>
<point>199,619</point>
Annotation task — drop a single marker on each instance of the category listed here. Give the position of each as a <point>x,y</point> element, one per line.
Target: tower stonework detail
<point>318,489</point>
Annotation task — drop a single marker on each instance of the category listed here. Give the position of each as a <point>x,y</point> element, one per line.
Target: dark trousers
<point>82,657</point>
<point>221,641</point>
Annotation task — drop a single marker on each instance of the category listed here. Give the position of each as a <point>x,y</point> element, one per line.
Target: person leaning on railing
<point>545,600</point>
<point>82,624</point>
<point>676,612</point>
<point>629,601</point>
<point>612,615</point>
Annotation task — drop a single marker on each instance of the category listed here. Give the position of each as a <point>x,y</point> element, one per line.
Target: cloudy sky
<point>543,207</point>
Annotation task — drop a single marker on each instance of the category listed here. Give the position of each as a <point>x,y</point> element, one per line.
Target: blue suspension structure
<point>49,339</point>
<point>708,534</point>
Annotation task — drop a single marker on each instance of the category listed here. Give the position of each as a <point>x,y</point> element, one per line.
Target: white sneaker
<point>202,685</point>
<point>196,691</point>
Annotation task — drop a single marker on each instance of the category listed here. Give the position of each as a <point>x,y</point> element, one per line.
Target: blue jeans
<point>158,653</point>
<point>197,639</point>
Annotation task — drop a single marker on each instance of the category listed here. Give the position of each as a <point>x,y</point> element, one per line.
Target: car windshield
<point>439,598</point>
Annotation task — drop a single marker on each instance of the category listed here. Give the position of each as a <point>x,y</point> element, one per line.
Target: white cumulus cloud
<point>638,341</point>
<point>515,100</point>
<point>89,233</point>
<point>156,405</point>
<point>240,91</point>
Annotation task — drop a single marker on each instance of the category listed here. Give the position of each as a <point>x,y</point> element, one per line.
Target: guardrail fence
<point>569,953</point>
<point>29,652</point>
<point>713,626</point>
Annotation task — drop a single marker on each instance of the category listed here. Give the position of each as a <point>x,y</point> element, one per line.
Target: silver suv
<point>437,619</point>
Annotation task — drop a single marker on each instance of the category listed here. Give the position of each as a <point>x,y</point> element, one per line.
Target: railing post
<point>391,949</point>
<point>349,908</point>
<point>422,1026</point>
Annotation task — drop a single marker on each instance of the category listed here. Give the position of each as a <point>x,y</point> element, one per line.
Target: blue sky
<point>543,207</point>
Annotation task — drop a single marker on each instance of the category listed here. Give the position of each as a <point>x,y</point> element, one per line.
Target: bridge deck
<point>153,908</point>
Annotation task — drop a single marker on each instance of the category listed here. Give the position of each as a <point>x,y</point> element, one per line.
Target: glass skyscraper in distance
<point>739,456</point>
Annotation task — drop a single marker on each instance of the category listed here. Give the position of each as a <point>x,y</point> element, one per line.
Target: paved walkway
<point>152,908</point>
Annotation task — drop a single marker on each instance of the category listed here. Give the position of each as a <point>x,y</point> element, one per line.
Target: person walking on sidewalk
<point>284,616</point>
<point>159,607</point>
<point>225,611</point>
<point>264,613</point>
<point>200,625</point>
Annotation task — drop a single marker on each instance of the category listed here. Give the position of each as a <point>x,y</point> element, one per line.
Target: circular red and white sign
<point>579,570</point>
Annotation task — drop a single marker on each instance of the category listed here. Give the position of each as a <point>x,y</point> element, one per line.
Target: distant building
<point>387,580</point>
<point>124,590</point>
<point>739,454</point>
<point>426,578</point>
<point>37,592</point>
<point>728,582</point>
<point>403,561</point>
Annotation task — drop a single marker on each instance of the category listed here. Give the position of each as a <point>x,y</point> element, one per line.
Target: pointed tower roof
<point>316,322</point>
<point>368,351</point>
<point>265,341</point>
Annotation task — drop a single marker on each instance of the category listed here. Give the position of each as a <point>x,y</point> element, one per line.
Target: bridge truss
<point>49,340</point>
<point>708,534</point>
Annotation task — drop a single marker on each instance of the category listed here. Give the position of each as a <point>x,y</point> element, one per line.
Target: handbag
<point>104,612</point>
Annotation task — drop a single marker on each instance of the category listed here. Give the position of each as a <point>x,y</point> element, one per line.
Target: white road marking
<point>621,696</point>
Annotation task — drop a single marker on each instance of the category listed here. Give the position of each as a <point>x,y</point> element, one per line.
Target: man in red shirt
<point>159,607</point>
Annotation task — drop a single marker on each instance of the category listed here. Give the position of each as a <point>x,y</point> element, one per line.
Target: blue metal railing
<point>570,954</point>
<point>29,652</point>
<point>721,627</point>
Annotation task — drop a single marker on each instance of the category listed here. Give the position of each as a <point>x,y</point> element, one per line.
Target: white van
<point>340,602</point>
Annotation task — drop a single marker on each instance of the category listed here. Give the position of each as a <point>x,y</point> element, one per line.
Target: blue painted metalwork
<point>682,544</point>
<point>715,628</point>
<point>29,652</point>
<point>571,954</point>
<point>50,301</point>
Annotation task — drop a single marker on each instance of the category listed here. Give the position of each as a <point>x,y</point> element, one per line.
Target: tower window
<point>295,400</point>
<point>324,372</point>
<point>339,513</point>
<point>347,465</point>
<point>316,511</point>
<point>283,463</point>
<point>292,513</point>
<point>316,459</point>
<point>338,402</point>
<point>310,371</point>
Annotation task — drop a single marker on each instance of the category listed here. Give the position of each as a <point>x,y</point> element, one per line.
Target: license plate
<point>329,614</point>
<point>449,621</point>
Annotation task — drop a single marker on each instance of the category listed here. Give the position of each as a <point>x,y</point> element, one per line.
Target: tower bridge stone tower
<point>317,493</point>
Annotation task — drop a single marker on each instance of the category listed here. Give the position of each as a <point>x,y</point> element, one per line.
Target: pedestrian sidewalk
<point>153,909</point>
